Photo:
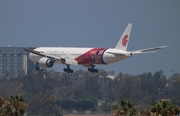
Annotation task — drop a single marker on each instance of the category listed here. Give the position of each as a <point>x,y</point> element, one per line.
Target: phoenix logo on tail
<point>46,57</point>
<point>124,40</point>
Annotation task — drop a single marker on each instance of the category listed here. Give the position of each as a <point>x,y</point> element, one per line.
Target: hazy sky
<point>97,23</point>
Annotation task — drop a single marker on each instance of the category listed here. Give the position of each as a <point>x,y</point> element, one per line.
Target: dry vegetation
<point>86,114</point>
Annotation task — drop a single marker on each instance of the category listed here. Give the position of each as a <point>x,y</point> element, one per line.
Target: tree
<point>176,100</point>
<point>34,105</point>
<point>51,108</point>
<point>130,87</point>
<point>18,104</point>
<point>1,103</point>
<point>15,106</point>
<point>162,108</point>
<point>66,105</point>
<point>159,79</point>
<point>61,91</point>
<point>85,105</point>
<point>126,108</point>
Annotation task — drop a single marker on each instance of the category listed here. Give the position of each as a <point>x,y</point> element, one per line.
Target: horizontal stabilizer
<point>148,50</point>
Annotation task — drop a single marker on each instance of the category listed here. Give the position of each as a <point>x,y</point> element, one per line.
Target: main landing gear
<point>68,69</point>
<point>92,69</point>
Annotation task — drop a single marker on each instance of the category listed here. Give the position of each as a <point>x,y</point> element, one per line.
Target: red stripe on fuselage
<point>93,56</point>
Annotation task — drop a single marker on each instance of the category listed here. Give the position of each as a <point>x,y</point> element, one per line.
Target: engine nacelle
<point>46,62</point>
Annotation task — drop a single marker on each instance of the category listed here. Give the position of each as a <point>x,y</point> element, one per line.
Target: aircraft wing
<point>53,57</point>
<point>148,50</point>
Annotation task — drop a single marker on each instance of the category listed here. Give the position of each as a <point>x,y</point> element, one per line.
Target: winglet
<point>124,40</point>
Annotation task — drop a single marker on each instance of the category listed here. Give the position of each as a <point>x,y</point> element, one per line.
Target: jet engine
<point>46,62</point>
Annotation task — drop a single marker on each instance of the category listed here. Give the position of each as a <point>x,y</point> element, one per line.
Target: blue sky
<point>97,23</point>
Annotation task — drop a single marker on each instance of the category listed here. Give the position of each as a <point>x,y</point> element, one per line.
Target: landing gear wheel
<point>68,70</point>
<point>93,70</point>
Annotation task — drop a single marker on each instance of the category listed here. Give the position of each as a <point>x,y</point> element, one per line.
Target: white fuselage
<point>84,56</point>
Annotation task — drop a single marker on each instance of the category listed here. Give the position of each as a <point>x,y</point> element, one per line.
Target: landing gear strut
<point>37,66</point>
<point>92,69</point>
<point>68,69</point>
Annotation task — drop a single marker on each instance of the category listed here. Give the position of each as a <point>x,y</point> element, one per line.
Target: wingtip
<point>164,46</point>
<point>24,48</point>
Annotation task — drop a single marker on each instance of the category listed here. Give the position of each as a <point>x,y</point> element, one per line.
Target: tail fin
<point>124,40</point>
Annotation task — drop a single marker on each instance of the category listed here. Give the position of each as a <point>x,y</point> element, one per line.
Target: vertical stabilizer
<point>124,40</point>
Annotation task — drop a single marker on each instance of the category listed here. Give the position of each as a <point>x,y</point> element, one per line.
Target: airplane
<point>46,57</point>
